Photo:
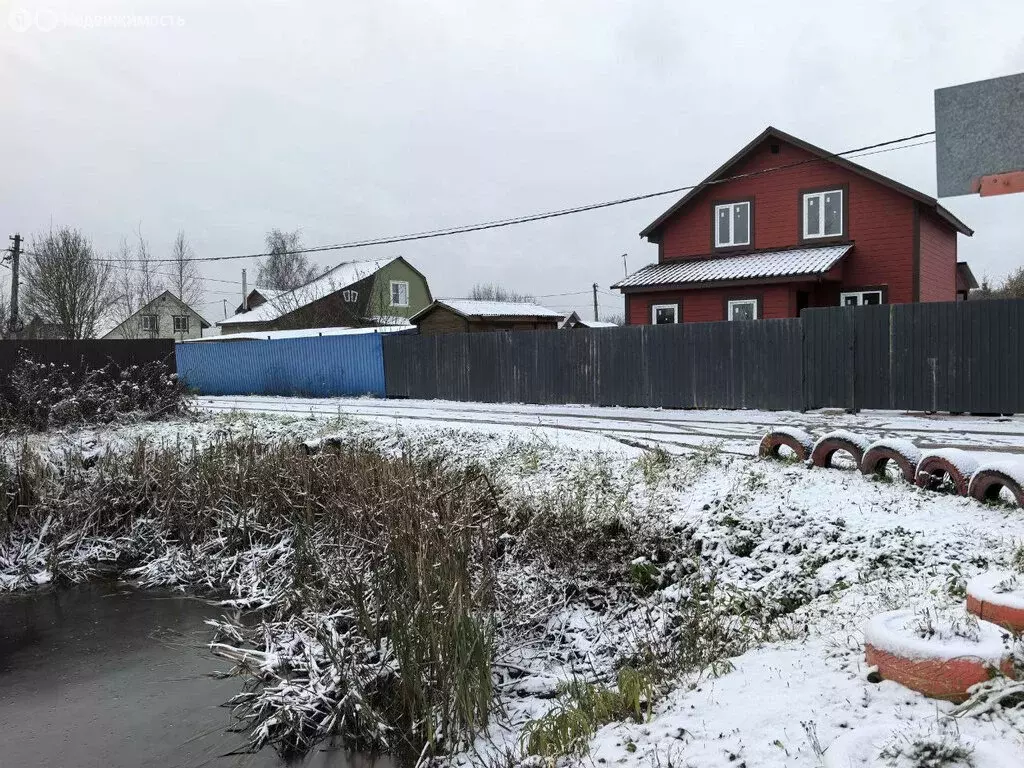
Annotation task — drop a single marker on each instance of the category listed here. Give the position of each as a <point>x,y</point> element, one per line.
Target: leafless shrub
<point>40,396</point>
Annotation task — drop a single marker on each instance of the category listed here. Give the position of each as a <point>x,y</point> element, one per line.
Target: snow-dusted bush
<point>42,396</point>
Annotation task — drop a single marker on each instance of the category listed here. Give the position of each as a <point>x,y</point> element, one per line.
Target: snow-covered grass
<point>634,605</point>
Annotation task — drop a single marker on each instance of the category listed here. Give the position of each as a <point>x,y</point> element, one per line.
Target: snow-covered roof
<point>284,302</point>
<point>477,308</point>
<point>300,333</point>
<point>573,320</point>
<point>795,261</point>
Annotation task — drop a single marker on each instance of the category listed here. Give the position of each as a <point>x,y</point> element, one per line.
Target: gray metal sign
<point>979,137</point>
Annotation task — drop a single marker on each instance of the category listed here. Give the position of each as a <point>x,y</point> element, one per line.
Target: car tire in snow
<point>903,454</point>
<point>865,748</point>
<point>798,441</point>
<point>956,465</point>
<point>988,481</point>
<point>998,597</point>
<point>840,440</point>
<point>937,669</point>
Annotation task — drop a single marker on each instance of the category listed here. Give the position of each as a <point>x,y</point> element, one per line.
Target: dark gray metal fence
<point>705,365</point>
<point>86,354</point>
<point>959,357</point>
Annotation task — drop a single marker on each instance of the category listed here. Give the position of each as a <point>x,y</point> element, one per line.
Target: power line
<point>499,223</point>
<point>120,263</point>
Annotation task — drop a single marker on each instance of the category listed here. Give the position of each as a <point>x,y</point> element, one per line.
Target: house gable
<point>379,301</point>
<point>164,307</point>
<point>353,294</point>
<point>782,163</point>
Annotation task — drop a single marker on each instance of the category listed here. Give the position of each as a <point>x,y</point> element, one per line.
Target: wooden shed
<point>472,316</point>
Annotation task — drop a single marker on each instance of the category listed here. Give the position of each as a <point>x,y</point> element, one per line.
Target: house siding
<point>937,280</point>
<point>706,305</point>
<point>165,307</point>
<point>367,298</point>
<point>442,320</point>
<point>880,219</point>
<point>419,291</point>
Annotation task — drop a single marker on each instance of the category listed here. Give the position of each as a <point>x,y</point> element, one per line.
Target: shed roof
<point>718,176</point>
<point>964,273</point>
<point>793,262</point>
<point>473,308</point>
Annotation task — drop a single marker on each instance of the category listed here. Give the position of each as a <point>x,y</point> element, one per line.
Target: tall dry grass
<point>395,550</point>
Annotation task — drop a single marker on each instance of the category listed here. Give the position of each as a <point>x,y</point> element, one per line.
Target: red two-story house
<point>784,225</point>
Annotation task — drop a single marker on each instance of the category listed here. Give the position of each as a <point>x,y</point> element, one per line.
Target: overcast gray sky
<point>360,119</point>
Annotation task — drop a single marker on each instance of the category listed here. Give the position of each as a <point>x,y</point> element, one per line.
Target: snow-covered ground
<point>836,546</point>
<point>674,430</point>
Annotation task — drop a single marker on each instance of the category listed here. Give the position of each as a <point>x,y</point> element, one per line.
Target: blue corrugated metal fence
<point>321,366</point>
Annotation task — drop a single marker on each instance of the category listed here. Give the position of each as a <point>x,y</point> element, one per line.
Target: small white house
<point>165,317</point>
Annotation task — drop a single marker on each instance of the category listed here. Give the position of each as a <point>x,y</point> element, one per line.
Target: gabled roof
<point>335,279</point>
<point>112,325</point>
<point>789,263</point>
<point>473,308</point>
<point>774,133</point>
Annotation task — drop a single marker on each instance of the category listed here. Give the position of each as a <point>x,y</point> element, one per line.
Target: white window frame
<point>731,207</point>
<point>174,323</point>
<point>737,302</point>
<point>656,307</point>
<point>397,283</point>
<point>145,326</point>
<point>820,197</point>
<point>860,297</point>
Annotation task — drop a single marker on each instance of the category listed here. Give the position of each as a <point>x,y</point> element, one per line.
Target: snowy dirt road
<point>675,431</point>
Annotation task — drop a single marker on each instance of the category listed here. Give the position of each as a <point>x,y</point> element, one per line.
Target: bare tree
<point>184,281</point>
<point>283,269</point>
<point>137,283</point>
<point>494,292</point>
<point>617,318</point>
<point>65,284</point>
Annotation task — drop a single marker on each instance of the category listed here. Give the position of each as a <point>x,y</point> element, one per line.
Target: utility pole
<point>625,269</point>
<point>245,293</point>
<point>225,308</point>
<point>15,263</point>
<point>596,318</point>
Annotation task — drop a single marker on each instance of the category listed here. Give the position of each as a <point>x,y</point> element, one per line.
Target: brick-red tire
<point>929,668</point>
<point>868,746</point>
<point>1003,608</point>
<point>933,468</point>
<point>878,456</point>
<point>827,446</point>
<point>988,481</point>
<point>797,441</point>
